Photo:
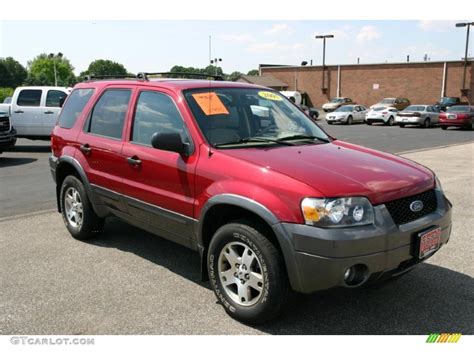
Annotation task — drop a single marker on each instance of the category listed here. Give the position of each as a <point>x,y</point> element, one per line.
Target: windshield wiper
<point>302,136</point>
<point>253,140</point>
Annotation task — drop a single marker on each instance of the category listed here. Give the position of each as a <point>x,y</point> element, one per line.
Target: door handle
<point>134,161</point>
<point>48,112</point>
<point>18,111</point>
<point>85,148</point>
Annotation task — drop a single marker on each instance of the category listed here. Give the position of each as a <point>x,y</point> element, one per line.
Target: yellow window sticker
<point>210,103</point>
<point>269,95</point>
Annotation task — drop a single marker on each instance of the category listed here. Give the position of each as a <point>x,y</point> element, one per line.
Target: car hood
<point>343,169</point>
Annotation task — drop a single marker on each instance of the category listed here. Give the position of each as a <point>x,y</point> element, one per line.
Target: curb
<point>433,148</point>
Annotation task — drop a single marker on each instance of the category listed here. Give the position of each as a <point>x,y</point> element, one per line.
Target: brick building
<point>420,82</point>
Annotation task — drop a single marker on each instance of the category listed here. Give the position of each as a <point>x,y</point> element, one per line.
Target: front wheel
<point>390,121</point>
<point>444,128</point>
<point>349,120</point>
<point>426,123</point>
<point>402,125</point>
<point>247,273</point>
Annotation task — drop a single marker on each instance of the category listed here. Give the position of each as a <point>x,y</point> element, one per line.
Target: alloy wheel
<point>74,208</point>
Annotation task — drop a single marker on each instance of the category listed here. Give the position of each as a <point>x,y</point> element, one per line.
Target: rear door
<point>25,113</point>
<point>159,184</point>
<point>50,110</point>
<point>100,144</point>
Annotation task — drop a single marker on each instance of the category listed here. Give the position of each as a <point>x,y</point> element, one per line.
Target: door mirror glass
<point>171,142</point>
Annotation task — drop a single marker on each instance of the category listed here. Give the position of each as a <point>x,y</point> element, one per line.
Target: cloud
<point>277,29</point>
<point>240,38</point>
<point>341,33</point>
<point>368,34</point>
<point>436,26</point>
<point>265,47</point>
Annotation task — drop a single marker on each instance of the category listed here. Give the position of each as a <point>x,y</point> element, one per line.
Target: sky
<point>242,45</point>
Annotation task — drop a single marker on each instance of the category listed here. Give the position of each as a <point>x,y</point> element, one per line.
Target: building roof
<point>267,80</point>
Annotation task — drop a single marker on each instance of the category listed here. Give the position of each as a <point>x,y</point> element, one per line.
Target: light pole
<point>53,57</point>
<point>464,91</point>
<point>323,37</point>
<point>214,61</point>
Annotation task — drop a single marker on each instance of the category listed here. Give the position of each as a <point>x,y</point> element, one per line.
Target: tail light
<point>385,112</point>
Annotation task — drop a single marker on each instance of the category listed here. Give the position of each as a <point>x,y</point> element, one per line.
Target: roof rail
<point>144,76</point>
<point>91,77</point>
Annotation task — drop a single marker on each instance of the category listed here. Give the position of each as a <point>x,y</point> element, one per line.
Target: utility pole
<point>464,90</point>
<point>323,37</point>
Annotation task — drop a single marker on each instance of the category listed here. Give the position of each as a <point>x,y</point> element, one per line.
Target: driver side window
<point>155,112</point>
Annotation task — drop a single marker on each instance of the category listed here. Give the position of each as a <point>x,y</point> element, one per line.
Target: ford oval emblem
<point>416,206</point>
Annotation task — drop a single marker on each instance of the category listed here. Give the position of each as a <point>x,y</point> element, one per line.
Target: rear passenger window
<point>53,98</point>
<point>74,106</point>
<point>29,98</point>
<point>155,112</point>
<point>108,116</point>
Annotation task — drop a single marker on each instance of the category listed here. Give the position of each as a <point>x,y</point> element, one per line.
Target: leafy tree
<point>5,92</point>
<point>209,70</point>
<point>41,70</point>
<point>253,72</point>
<point>233,76</point>
<point>15,73</point>
<point>104,67</point>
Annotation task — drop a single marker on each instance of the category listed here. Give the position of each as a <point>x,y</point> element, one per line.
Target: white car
<point>385,115</point>
<point>420,115</point>
<point>34,110</point>
<point>347,114</point>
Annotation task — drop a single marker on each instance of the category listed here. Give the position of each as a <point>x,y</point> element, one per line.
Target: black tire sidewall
<point>274,275</point>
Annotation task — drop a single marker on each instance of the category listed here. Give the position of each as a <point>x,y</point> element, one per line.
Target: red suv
<point>239,174</point>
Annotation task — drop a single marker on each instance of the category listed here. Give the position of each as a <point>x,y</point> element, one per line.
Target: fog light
<point>348,274</point>
<point>356,275</point>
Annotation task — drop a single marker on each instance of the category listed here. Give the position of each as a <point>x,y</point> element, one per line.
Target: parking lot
<point>130,282</point>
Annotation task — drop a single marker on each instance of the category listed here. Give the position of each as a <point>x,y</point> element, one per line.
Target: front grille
<point>4,123</point>
<point>401,212</point>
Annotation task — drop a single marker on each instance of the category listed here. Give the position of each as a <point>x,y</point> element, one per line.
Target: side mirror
<point>171,142</point>
<point>61,101</point>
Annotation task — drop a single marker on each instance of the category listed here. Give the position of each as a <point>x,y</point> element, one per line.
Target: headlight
<point>337,212</point>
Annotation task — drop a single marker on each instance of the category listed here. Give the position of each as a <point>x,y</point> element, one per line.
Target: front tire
<point>444,128</point>
<point>78,215</point>
<point>426,123</point>
<point>349,120</point>
<point>390,121</point>
<point>247,273</point>
<point>402,125</point>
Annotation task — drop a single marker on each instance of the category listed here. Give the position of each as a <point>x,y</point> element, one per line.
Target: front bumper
<point>8,140</point>
<point>336,119</point>
<point>455,122</point>
<point>320,256</point>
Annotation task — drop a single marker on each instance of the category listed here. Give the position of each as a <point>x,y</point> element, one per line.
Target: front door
<point>158,184</point>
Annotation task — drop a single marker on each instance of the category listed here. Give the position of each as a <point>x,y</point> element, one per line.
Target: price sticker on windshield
<point>210,103</point>
<point>269,95</point>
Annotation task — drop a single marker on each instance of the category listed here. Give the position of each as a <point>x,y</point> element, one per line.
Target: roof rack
<point>95,77</point>
<point>144,76</point>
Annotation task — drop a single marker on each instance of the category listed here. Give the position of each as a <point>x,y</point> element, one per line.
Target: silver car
<point>347,114</point>
<point>420,115</point>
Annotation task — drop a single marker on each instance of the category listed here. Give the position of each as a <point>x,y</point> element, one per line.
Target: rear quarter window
<point>73,107</point>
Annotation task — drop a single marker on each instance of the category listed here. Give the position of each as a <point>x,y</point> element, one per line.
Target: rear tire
<point>369,123</point>
<point>402,125</point>
<point>78,215</point>
<point>426,123</point>
<point>247,272</point>
<point>390,121</point>
<point>444,128</point>
<point>349,120</point>
<point>329,122</point>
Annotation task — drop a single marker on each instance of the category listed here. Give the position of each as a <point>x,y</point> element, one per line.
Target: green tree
<point>253,72</point>
<point>105,67</point>
<point>233,76</point>
<point>15,73</point>
<point>42,68</point>
<point>4,75</point>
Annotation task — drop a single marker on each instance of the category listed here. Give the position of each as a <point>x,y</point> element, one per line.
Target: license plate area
<point>427,242</point>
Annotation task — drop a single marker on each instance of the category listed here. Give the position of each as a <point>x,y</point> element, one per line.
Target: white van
<point>34,110</point>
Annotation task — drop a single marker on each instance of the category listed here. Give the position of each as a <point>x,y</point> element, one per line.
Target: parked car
<point>336,102</point>
<point>297,99</point>
<point>266,198</point>
<point>34,110</point>
<point>419,115</point>
<point>457,116</point>
<point>399,103</point>
<point>445,102</point>
<point>347,114</point>
<point>382,114</point>
<point>7,132</point>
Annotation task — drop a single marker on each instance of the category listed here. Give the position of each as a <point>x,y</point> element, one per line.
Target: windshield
<point>379,108</point>
<point>387,101</point>
<point>415,108</point>
<point>447,100</point>
<point>336,100</point>
<point>345,109</point>
<point>458,109</point>
<point>247,116</point>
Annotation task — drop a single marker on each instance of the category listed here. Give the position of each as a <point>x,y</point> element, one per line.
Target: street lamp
<point>464,91</point>
<point>323,37</point>
<point>214,61</point>
<point>53,57</point>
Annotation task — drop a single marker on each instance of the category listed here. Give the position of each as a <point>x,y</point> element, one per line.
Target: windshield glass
<point>387,101</point>
<point>336,100</point>
<point>458,109</point>
<point>379,108</point>
<point>415,108</point>
<point>345,109</point>
<point>240,115</point>
<point>447,100</point>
